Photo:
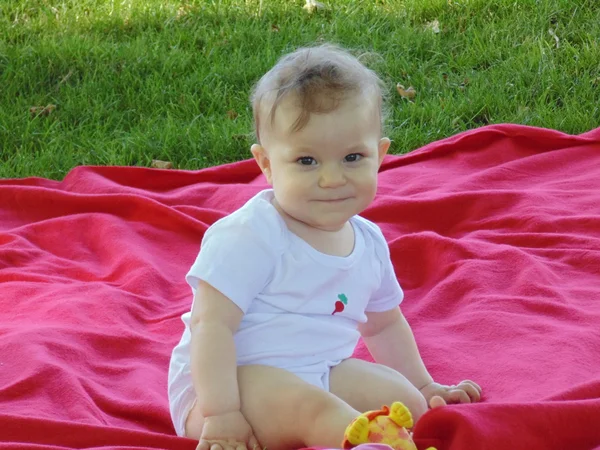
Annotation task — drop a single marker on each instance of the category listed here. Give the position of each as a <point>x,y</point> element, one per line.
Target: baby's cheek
<point>288,194</point>
<point>296,187</point>
<point>368,187</point>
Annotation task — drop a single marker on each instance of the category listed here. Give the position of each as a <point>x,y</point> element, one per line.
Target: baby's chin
<point>322,218</point>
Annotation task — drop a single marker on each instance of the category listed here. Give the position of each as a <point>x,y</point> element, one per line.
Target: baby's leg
<point>284,411</point>
<point>367,386</point>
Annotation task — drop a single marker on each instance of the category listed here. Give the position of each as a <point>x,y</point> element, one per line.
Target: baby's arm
<point>391,343</point>
<point>215,319</point>
<point>390,340</point>
<point>213,358</point>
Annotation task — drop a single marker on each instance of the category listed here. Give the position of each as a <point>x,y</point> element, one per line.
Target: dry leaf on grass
<point>409,93</point>
<point>523,110</point>
<point>64,79</point>
<point>433,26</point>
<point>274,28</point>
<point>311,5</point>
<point>232,114</point>
<point>183,11</point>
<point>157,164</point>
<point>43,111</point>
<point>553,34</point>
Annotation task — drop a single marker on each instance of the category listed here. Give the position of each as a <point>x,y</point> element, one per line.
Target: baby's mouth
<point>334,200</point>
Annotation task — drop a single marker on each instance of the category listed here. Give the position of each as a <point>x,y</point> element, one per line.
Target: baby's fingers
<point>437,401</point>
<point>203,445</point>
<point>457,396</point>
<point>253,443</point>
<point>235,446</point>
<point>472,389</point>
<point>210,445</point>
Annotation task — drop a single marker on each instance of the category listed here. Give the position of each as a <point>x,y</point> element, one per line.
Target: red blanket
<point>495,236</point>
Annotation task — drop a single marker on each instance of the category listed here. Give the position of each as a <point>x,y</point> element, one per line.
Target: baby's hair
<point>319,78</point>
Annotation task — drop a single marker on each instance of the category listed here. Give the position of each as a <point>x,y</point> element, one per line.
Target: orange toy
<point>386,426</point>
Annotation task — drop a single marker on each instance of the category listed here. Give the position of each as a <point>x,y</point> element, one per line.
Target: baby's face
<point>327,172</point>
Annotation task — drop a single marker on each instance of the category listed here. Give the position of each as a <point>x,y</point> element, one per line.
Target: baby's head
<point>318,120</point>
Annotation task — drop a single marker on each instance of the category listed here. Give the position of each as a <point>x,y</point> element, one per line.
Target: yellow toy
<point>386,426</point>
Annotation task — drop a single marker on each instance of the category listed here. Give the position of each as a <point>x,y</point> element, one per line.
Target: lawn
<point>130,81</point>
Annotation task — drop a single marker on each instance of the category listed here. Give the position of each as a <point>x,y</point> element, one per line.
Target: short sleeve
<point>389,295</point>
<point>234,259</point>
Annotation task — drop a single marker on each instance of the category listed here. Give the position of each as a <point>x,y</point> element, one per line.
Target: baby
<point>285,286</point>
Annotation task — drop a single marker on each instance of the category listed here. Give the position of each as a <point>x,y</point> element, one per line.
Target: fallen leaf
<point>523,110</point>
<point>433,26</point>
<point>157,164</point>
<point>232,114</point>
<point>24,18</point>
<point>553,34</point>
<point>64,79</point>
<point>311,5</point>
<point>43,111</point>
<point>274,28</point>
<point>183,11</point>
<point>409,93</point>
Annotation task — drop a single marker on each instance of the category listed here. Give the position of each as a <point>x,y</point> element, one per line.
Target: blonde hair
<point>319,78</point>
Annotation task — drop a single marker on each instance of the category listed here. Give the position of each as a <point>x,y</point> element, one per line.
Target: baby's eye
<point>353,157</point>
<point>306,160</point>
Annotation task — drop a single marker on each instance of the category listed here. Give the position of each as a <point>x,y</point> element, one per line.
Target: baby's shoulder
<point>372,234</point>
<point>369,228</point>
<point>257,219</point>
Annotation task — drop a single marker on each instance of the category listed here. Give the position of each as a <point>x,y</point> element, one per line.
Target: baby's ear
<point>262,159</point>
<point>384,145</point>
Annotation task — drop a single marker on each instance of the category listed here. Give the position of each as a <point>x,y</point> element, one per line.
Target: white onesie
<point>301,307</point>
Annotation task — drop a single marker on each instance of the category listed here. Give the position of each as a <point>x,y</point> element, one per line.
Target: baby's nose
<point>331,178</point>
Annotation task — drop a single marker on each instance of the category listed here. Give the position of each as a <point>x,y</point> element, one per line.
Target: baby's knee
<point>416,404</point>
<point>411,397</point>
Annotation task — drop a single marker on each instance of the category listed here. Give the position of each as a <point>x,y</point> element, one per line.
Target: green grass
<point>155,79</point>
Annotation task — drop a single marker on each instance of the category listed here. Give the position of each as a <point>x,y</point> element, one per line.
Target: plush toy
<point>386,426</point>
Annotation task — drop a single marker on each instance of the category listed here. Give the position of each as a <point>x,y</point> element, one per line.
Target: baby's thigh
<point>279,406</point>
<point>368,386</point>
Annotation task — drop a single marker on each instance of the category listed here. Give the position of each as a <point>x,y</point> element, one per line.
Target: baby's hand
<point>229,431</point>
<point>438,394</point>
